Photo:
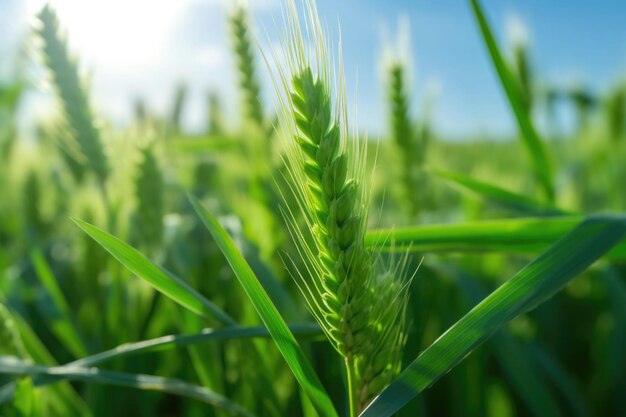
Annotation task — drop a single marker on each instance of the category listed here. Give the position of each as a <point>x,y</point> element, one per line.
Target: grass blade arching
<point>300,331</point>
<point>166,283</point>
<point>523,235</point>
<point>14,366</point>
<point>508,199</point>
<point>531,286</point>
<point>538,153</point>
<point>285,341</point>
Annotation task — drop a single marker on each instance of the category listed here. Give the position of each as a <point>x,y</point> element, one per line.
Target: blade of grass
<point>512,355</point>
<point>207,335</point>
<point>531,286</point>
<point>15,366</point>
<point>284,339</point>
<point>165,282</point>
<point>61,324</point>
<point>500,196</point>
<point>541,163</point>
<point>524,235</point>
<point>301,331</point>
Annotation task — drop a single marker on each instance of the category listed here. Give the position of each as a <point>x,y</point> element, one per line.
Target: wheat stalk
<point>360,309</point>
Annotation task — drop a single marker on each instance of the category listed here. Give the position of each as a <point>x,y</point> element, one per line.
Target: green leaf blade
<point>514,236</point>
<point>15,366</point>
<point>284,339</point>
<point>500,196</point>
<point>169,285</point>
<point>536,148</point>
<point>531,286</point>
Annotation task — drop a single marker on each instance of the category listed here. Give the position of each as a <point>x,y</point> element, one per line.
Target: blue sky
<point>572,41</point>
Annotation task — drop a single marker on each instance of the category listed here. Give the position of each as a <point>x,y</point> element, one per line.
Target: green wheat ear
<point>149,187</point>
<point>410,138</point>
<point>360,309</point>
<point>73,96</point>
<point>410,135</point>
<point>248,82</point>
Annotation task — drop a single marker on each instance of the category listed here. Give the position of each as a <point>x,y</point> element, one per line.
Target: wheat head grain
<point>359,305</point>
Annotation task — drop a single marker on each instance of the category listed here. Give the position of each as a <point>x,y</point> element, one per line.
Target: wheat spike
<point>248,82</point>
<point>72,93</point>
<point>360,309</point>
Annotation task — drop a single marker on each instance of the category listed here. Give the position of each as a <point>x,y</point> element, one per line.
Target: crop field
<point>291,264</point>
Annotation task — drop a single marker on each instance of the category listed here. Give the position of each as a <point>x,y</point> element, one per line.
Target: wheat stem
<point>353,394</point>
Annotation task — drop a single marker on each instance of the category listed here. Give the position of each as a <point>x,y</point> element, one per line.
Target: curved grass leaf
<point>512,355</point>
<point>207,335</point>
<point>284,339</point>
<point>14,366</point>
<point>531,286</point>
<point>538,153</point>
<point>526,236</point>
<point>301,331</point>
<point>163,281</point>
<point>500,196</point>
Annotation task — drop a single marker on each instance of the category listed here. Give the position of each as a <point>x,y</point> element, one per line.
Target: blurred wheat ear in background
<point>246,65</point>
<point>72,94</point>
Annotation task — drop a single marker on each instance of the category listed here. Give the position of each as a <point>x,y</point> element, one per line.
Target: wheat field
<point>291,264</point>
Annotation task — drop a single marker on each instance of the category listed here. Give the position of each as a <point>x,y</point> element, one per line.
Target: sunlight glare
<point>117,34</point>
